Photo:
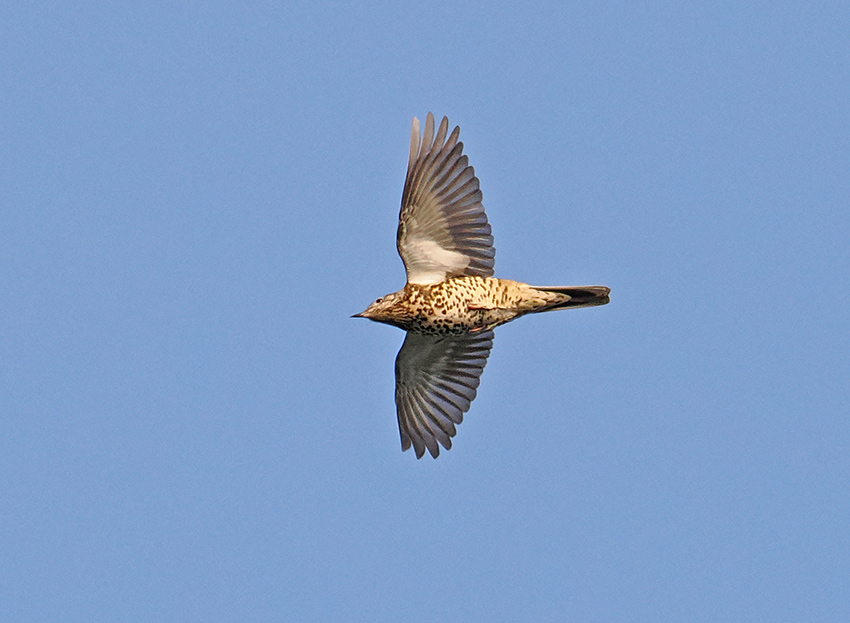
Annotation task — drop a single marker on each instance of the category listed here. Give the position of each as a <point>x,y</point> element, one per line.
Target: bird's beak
<point>360,315</point>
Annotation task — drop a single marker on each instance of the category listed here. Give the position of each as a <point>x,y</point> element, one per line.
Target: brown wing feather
<point>443,230</point>
<point>436,381</point>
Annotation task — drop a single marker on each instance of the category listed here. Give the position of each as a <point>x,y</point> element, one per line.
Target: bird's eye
<point>380,300</point>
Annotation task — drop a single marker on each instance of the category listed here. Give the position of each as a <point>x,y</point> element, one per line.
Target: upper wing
<point>442,230</point>
<point>436,381</point>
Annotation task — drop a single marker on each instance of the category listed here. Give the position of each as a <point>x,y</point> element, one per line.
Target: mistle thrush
<point>451,302</point>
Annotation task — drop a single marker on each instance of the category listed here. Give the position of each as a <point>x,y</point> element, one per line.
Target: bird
<point>451,302</point>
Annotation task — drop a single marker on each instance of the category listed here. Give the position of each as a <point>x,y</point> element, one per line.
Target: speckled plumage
<point>451,302</point>
<point>461,305</point>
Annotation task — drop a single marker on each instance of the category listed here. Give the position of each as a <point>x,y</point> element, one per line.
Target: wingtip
<point>415,143</point>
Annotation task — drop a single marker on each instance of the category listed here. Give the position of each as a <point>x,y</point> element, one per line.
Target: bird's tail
<point>575,296</point>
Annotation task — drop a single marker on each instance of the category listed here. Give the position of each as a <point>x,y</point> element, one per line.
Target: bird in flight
<point>451,302</point>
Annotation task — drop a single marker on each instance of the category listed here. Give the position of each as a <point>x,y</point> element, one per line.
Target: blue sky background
<point>195,197</point>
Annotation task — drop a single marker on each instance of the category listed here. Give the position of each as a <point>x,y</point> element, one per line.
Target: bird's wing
<point>436,379</point>
<point>443,230</point>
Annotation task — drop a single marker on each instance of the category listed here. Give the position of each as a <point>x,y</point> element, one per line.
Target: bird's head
<point>386,309</point>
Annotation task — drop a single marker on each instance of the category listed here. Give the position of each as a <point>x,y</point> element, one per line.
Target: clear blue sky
<point>194,198</point>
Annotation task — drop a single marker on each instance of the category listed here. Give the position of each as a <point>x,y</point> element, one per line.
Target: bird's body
<point>451,302</point>
<point>471,304</point>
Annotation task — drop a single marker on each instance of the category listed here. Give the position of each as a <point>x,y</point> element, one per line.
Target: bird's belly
<point>460,305</point>
<point>469,320</point>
